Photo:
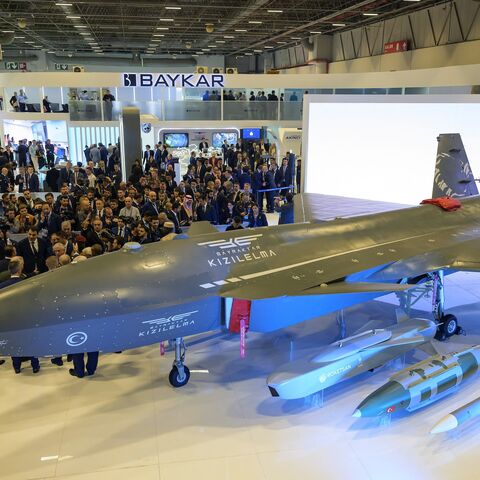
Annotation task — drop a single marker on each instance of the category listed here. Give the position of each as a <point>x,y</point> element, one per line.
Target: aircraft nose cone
<point>387,399</point>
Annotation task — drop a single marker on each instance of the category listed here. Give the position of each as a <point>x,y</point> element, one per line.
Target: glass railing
<point>255,110</point>
<point>192,110</point>
<point>85,110</point>
<point>291,110</point>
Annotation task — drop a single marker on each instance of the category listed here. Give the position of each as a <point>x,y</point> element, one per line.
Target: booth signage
<point>394,47</point>
<point>61,66</point>
<point>178,80</point>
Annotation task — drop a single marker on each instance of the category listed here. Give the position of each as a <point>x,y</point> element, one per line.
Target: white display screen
<point>374,150</point>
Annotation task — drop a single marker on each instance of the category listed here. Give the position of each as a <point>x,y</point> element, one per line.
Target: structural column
<point>130,139</point>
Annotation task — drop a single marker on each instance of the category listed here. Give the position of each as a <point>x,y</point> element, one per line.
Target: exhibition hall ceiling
<point>193,27</point>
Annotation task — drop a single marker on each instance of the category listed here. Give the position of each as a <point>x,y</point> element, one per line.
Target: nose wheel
<point>179,374</point>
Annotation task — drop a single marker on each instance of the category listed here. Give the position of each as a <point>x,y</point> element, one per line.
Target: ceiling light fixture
<point>295,38</point>
<point>282,43</point>
<point>248,54</point>
<point>72,17</point>
<point>315,33</point>
<point>8,31</point>
<point>268,46</point>
<point>370,14</point>
<point>220,41</point>
<point>158,35</point>
<point>339,24</point>
<point>84,33</point>
<point>228,36</point>
<point>162,28</point>
<point>63,4</point>
<point>258,51</point>
<point>18,37</point>
<point>255,22</point>
<point>166,19</point>
<point>173,8</point>
<point>80,26</point>
<point>275,11</point>
<point>241,30</point>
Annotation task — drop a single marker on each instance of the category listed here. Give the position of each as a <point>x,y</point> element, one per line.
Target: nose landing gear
<point>179,374</point>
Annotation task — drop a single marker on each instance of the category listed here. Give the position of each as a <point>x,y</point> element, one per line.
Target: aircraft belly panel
<point>119,332</point>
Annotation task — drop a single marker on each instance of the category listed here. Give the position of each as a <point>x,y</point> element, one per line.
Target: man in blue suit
<point>34,251</point>
<point>32,182</point>
<point>15,267</point>
<point>49,220</point>
<point>283,176</point>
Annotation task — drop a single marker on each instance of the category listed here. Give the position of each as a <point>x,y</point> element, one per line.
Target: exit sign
<point>15,65</point>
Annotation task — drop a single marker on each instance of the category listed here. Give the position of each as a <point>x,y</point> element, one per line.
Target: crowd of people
<point>97,212</point>
<point>260,96</point>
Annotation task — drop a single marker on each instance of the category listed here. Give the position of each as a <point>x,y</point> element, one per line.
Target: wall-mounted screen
<point>219,137</point>
<point>176,140</point>
<point>384,149</point>
<point>251,134</point>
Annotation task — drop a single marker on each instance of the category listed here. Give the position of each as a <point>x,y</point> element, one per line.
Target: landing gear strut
<point>179,374</point>
<point>447,324</point>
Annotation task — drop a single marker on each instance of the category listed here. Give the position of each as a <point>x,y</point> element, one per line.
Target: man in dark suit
<point>120,229</point>
<point>93,234</point>
<point>5,181</point>
<point>206,212</point>
<point>22,151</point>
<point>49,220</point>
<point>283,176</point>
<point>262,180</point>
<point>32,181</point>
<point>172,216</point>
<point>21,179</point>
<point>15,267</point>
<point>66,174</point>
<point>147,154</point>
<point>203,145</point>
<point>34,251</point>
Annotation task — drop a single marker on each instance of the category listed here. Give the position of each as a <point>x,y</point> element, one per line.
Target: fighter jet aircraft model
<point>291,273</point>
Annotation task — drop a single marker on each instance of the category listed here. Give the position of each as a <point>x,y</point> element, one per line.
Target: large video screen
<point>251,133</point>
<point>369,149</point>
<point>175,140</point>
<point>219,137</point>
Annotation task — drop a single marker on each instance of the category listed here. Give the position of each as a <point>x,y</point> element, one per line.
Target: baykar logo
<point>232,242</point>
<point>172,318</point>
<point>129,79</point>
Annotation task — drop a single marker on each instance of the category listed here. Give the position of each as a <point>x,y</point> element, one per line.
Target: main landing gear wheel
<point>448,326</point>
<point>176,380</point>
<point>180,374</point>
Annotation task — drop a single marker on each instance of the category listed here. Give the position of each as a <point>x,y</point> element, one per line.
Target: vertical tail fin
<point>453,175</point>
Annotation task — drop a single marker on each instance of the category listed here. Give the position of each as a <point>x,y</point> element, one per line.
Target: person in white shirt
<point>91,178</point>
<point>129,210</point>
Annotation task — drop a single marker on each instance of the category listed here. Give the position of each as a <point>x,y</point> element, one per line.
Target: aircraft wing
<point>314,207</point>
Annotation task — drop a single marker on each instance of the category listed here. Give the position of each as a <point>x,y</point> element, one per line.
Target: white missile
<point>457,417</point>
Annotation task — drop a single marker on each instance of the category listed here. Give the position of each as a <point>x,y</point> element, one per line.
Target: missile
<point>421,384</point>
<point>458,416</point>
<point>349,357</point>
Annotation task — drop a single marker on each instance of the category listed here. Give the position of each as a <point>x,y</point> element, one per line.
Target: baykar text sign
<point>178,80</point>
